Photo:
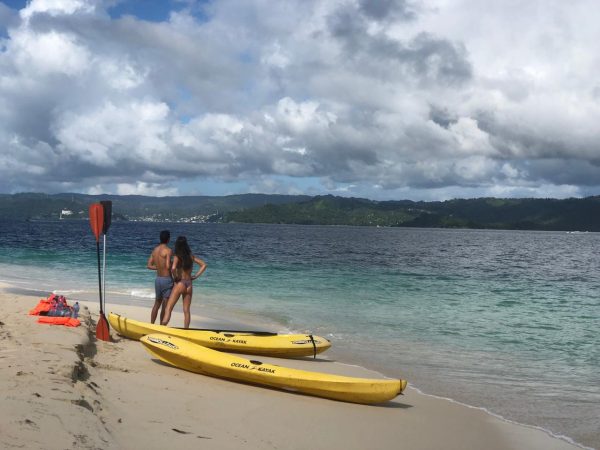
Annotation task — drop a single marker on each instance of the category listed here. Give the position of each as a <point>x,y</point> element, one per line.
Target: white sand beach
<point>61,388</point>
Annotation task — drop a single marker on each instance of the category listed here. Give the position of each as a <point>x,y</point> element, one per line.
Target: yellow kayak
<point>249,342</point>
<point>186,355</point>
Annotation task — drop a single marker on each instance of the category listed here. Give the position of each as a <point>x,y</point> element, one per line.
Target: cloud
<point>142,188</point>
<point>57,8</point>
<point>8,17</point>
<point>388,9</point>
<point>379,99</point>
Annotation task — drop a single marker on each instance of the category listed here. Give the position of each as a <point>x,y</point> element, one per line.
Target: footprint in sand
<point>28,422</point>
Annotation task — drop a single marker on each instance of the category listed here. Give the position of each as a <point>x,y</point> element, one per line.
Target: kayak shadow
<point>278,361</point>
<point>311,359</point>
<point>164,364</point>
<point>395,405</point>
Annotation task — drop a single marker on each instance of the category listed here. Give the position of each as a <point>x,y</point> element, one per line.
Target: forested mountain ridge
<point>573,214</point>
<point>35,206</point>
<point>532,214</point>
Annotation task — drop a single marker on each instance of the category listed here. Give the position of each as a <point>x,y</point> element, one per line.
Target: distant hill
<point>34,206</point>
<point>516,214</point>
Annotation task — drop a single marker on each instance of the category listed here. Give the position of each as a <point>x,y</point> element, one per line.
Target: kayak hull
<point>251,343</point>
<point>192,357</point>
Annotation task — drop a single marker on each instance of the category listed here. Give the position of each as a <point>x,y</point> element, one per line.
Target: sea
<point>506,321</point>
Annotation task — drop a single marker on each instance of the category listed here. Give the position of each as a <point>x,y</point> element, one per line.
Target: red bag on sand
<point>54,305</point>
<point>66,321</point>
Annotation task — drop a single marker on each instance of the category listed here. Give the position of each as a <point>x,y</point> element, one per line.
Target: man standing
<point>160,260</point>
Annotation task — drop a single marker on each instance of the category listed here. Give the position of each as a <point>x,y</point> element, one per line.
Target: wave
<point>141,293</point>
<point>66,292</point>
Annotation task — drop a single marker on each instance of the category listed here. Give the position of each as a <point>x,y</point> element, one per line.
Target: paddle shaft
<point>107,219</point>
<point>103,273</point>
<point>99,276</point>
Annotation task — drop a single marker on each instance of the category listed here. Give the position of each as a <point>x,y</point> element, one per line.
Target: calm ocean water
<point>504,320</point>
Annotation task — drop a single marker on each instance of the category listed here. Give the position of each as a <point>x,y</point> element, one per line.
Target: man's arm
<point>151,264</point>
<point>168,258</point>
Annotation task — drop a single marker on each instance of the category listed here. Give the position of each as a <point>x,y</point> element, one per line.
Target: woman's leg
<point>178,289</point>
<point>187,303</point>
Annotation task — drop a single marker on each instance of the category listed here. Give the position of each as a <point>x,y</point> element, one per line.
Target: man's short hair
<point>165,235</point>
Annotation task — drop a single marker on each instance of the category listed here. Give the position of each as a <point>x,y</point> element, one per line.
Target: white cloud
<point>120,75</point>
<point>470,139</point>
<point>113,133</point>
<point>299,118</point>
<point>431,98</point>
<point>47,53</point>
<point>57,7</point>
<point>141,188</point>
<point>275,56</point>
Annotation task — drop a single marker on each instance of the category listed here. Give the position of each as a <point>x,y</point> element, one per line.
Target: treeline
<point>514,214</point>
<point>35,206</point>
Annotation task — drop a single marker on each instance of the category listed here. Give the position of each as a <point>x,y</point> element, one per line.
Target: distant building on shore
<point>65,212</point>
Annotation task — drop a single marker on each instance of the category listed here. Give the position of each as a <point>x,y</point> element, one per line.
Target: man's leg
<point>155,308</point>
<point>162,308</point>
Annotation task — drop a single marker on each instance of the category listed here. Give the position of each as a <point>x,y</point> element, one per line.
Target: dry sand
<point>62,389</point>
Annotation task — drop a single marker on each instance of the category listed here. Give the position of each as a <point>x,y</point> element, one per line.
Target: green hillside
<point>34,206</point>
<point>532,214</point>
<point>516,214</point>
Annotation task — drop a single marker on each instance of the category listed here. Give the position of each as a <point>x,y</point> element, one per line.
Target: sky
<point>387,100</point>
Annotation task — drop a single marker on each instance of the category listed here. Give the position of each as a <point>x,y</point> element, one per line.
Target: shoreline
<point>546,431</point>
<point>126,382</point>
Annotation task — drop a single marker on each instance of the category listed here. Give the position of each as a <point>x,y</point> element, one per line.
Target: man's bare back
<point>160,260</point>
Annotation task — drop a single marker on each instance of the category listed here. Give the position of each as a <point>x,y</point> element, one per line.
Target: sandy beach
<point>61,388</point>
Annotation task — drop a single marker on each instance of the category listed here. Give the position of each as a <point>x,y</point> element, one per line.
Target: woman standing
<point>183,263</point>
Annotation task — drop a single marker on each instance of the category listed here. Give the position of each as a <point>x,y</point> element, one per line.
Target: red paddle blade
<point>96,219</point>
<point>102,331</point>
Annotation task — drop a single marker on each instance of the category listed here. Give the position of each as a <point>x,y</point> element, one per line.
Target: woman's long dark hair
<point>184,253</point>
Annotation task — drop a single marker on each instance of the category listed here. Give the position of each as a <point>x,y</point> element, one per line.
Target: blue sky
<point>151,10</point>
<point>386,100</point>
<point>156,10</point>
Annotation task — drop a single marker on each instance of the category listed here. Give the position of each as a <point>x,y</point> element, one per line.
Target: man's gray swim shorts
<point>163,287</point>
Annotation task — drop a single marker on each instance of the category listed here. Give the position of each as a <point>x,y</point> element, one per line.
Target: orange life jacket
<point>66,321</point>
<point>44,305</point>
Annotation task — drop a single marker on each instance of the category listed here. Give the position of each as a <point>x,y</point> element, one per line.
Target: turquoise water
<point>504,320</point>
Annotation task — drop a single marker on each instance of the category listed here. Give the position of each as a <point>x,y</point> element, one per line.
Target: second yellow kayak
<point>248,342</point>
<point>186,355</point>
